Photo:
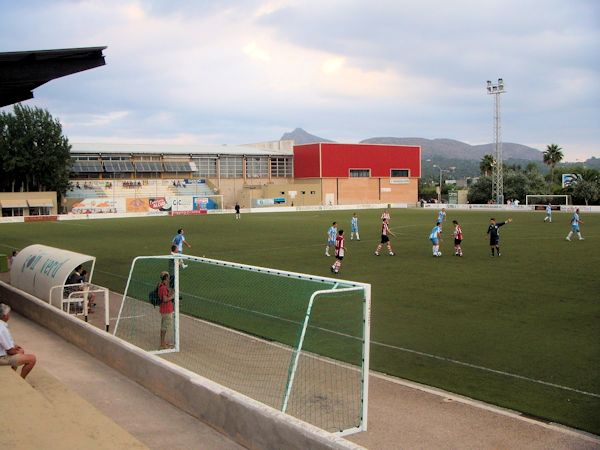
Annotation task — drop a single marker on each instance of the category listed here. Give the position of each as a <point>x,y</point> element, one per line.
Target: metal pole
<point>498,172</point>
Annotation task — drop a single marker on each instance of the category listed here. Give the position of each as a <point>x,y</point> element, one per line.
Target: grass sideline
<point>521,331</point>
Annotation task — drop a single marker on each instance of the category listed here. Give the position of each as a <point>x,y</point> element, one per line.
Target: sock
<point>492,251</point>
<point>357,236</point>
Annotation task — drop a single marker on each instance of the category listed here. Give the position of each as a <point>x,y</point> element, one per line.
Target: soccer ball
<point>439,253</point>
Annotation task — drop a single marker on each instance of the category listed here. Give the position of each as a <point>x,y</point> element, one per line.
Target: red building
<point>360,173</point>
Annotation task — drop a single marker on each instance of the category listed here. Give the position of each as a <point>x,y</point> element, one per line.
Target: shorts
<point>575,228</point>
<point>384,239</point>
<point>339,257</point>
<point>9,360</point>
<point>166,321</point>
<point>330,242</point>
<point>354,229</point>
<point>457,241</point>
<point>494,241</point>
<point>435,241</point>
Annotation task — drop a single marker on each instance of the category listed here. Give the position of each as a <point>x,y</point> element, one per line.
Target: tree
<point>34,154</point>
<point>552,156</point>
<point>587,187</point>
<point>480,192</point>
<point>487,165</point>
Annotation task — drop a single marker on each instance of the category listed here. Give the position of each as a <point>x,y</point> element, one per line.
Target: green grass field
<point>521,331</point>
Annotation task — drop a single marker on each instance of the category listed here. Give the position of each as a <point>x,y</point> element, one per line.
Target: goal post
<point>296,342</point>
<point>542,199</point>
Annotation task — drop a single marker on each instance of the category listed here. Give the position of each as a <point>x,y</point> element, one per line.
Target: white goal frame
<point>347,286</point>
<point>548,196</point>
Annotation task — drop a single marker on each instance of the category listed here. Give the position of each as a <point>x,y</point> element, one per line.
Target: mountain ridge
<point>431,148</point>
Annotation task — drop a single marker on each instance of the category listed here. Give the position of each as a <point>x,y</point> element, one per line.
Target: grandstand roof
<point>22,72</point>
<point>172,149</point>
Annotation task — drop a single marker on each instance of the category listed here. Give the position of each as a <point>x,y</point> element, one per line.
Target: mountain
<point>299,136</point>
<point>449,148</point>
<point>436,148</point>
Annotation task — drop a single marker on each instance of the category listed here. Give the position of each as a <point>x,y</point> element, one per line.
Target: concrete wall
<point>252,424</point>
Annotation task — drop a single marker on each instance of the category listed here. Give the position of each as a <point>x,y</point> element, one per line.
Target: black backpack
<point>154,297</point>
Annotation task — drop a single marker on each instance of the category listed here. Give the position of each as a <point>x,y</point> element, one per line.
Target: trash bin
<point>3,263</point>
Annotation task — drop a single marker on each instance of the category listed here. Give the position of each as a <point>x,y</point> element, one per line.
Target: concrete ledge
<point>248,422</point>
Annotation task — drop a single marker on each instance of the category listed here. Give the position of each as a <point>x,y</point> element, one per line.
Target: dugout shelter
<point>38,268</point>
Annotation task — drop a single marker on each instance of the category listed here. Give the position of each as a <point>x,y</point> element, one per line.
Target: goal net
<point>545,199</point>
<point>296,342</point>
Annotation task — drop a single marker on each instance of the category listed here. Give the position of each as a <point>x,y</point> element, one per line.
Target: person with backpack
<point>166,309</point>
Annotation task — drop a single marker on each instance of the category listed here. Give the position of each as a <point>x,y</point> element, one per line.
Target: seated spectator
<point>11,354</point>
<point>91,296</point>
<point>11,258</point>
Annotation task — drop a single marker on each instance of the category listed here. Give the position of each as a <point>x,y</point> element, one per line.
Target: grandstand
<point>138,177</point>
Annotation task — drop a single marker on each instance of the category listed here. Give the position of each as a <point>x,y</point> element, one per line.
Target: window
<point>118,166</point>
<point>177,166</point>
<point>282,167</point>
<point>206,166</point>
<point>257,167</point>
<point>399,173</point>
<point>360,173</point>
<point>231,166</point>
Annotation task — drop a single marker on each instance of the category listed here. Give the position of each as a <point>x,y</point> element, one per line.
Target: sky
<point>235,72</point>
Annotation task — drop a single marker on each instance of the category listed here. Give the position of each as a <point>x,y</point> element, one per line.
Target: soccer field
<point>521,331</point>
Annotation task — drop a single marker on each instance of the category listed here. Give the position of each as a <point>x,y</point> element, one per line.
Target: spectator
<point>11,259</point>
<point>11,354</point>
<point>166,309</point>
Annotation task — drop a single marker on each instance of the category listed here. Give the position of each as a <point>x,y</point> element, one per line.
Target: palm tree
<point>552,156</point>
<point>487,164</point>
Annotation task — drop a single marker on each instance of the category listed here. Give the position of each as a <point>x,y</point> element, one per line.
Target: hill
<point>299,136</point>
<point>450,148</point>
<point>435,148</point>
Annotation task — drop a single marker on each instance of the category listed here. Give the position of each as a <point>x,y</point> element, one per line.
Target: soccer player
<point>386,215</point>
<point>179,240</point>
<point>575,221</point>
<point>385,239</point>
<point>339,252</point>
<point>442,216</point>
<point>331,237</point>
<point>548,213</point>
<point>458,237</point>
<point>435,237</point>
<point>495,235</point>
<point>354,227</point>
<point>237,210</point>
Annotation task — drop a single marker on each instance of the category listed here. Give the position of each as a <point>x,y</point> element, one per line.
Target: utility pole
<point>497,173</point>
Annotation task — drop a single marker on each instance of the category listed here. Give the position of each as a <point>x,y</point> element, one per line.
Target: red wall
<point>338,159</point>
<point>307,161</point>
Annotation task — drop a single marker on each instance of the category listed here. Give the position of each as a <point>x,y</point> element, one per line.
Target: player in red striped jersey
<point>340,250</point>
<point>385,239</point>
<point>385,215</point>
<point>458,237</point>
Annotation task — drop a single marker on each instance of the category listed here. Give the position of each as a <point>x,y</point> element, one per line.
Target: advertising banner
<point>98,206</point>
<point>569,178</point>
<point>136,205</point>
<point>181,203</point>
<point>159,204</point>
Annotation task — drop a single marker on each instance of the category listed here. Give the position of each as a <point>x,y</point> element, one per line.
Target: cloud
<point>230,71</point>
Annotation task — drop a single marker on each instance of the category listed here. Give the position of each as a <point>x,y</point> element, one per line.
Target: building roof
<point>172,149</point>
<point>22,72</point>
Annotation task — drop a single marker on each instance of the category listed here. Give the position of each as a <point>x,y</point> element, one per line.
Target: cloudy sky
<point>232,72</point>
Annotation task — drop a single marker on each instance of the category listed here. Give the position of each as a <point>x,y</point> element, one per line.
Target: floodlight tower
<point>497,174</point>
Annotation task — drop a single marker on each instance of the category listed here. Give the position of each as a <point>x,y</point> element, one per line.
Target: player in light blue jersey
<point>179,241</point>
<point>575,221</point>
<point>331,236</point>
<point>548,213</point>
<point>435,237</point>
<point>442,216</point>
<point>354,227</point>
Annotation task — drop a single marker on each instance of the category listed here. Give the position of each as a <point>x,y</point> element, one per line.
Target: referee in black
<point>495,235</point>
